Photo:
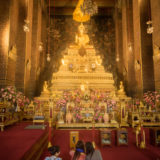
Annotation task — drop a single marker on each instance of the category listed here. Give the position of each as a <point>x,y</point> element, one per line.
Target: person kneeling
<point>91,153</point>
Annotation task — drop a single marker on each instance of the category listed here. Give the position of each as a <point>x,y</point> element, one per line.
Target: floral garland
<point>98,115</point>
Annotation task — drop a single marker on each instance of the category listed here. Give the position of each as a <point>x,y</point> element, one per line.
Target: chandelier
<point>26,25</point>
<point>149,22</point>
<point>149,27</point>
<point>89,7</point>
<point>84,10</point>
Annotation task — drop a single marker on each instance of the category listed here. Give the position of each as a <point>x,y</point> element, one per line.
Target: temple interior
<point>80,70</point>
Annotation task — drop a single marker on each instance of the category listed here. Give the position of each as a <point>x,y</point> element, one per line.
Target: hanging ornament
<point>149,27</point>
<point>130,47</point>
<point>149,22</point>
<point>26,25</point>
<point>40,47</point>
<point>89,7</point>
<point>117,58</point>
<point>48,57</point>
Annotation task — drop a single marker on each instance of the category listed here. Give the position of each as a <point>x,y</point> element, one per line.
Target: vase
<point>74,120</point>
<point>68,117</point>
<point>106,118</point>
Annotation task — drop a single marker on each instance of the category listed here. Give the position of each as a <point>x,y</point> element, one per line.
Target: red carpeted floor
<point>15,141</point>
<point>130,152</point>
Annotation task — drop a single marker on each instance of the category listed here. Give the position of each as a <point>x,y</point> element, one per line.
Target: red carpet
<point>130,152</point>
<point>15,141</point>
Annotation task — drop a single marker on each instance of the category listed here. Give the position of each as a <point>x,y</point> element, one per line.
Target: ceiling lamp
<point>149,22</point>
<point>26,26</point>
<point>149,27</point>
<point>89,7</point>
<point>48,57</point>
<point>40,47</point>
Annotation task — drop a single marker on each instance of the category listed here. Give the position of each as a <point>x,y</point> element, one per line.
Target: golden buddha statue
<point>45,86</point>
<point>81,38</point>
<point>121,87</point>
<point>121,92</point>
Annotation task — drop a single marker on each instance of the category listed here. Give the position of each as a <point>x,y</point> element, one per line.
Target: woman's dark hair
<point>89,148</point>
<point>79,149</point>
<point>54,149</point>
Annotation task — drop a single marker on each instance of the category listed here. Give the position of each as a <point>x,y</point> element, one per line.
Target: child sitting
<point>54,151</point>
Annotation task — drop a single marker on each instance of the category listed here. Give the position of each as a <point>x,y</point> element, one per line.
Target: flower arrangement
<point>61,103</point>
<point>9,93</point>
<point>111,104</point>
<point>93,96</point>
<point>15,97</point>
<point>151,98</point>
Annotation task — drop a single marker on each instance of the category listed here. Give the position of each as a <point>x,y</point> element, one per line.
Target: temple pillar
<point>28,56</point>
<point>4,40</point>
<point>35,53</point>
<point>146,47</point>
<point>155,8</point>
<point>130,50</point>
<point>118,40</point>
<point>137,48</point>
<point>124,44</point>
<point>21,45</point>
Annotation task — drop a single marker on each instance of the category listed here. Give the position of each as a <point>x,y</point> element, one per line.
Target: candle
<point>50,108</point>
<point>144,137</point>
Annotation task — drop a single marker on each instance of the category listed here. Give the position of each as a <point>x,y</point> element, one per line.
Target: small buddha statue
<point>121,91</point>
<point>45,86</point>
<point>141,104</point>
<point>81,38</point>
<point>31,105</point>
<point>121,87</point>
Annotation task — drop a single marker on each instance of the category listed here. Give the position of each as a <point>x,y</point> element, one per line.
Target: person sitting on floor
<point>54,151</point>
<point>91,153</point>
<point>78,154</point>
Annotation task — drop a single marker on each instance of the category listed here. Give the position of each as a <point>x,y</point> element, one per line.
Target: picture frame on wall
<point>74,137</point>
<point>106,137</point>
<point>122,137</point>
<point>155,136</point>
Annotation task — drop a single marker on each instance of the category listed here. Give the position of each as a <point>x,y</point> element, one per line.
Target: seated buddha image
<point>121,90</point>
<point>45,86</point>
<point>121,87</point>
<point>81,38</point>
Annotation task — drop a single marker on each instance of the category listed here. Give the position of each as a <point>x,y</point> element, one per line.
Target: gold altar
<point>83,93</point>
